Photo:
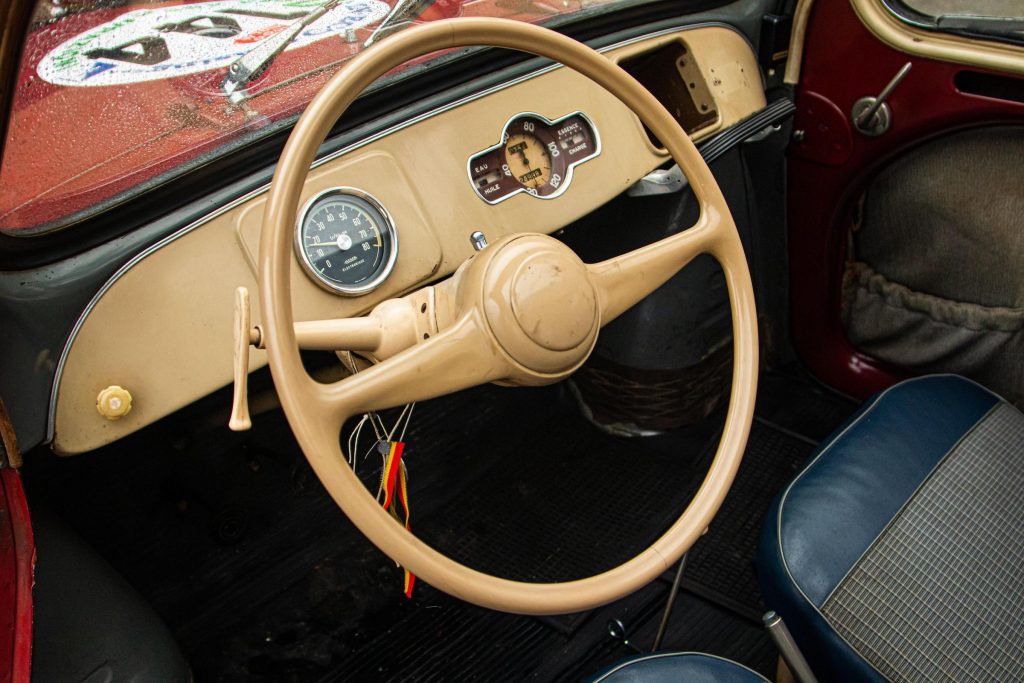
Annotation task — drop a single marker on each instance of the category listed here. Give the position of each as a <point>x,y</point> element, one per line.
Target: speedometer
<point>528,159</point>
<point>346,241</point>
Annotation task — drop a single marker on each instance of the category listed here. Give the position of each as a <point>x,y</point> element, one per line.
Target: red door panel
<point>830,164</point>
<point>17,562</point>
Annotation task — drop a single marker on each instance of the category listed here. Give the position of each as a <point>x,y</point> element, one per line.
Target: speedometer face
<point>346,241</point>
<point>528,160</point>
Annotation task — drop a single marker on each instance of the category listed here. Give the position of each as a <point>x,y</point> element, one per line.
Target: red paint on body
<point>17,566</point>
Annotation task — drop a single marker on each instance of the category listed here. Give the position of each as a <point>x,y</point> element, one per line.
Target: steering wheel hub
<point>553,302</point>
<point>540,304</point>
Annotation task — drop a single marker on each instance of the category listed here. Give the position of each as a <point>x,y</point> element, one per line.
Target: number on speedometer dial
<point>346,241</point>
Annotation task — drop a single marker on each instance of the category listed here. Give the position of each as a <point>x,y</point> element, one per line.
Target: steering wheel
<point>524,311</point>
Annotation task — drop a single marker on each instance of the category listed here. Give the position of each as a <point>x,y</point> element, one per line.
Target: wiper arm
<point>254,62</point>
<point>400,16</point>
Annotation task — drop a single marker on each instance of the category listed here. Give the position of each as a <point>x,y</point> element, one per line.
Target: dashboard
<point>380,218</point>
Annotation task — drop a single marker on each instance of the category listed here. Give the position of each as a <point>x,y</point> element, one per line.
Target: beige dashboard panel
<point>729,68</point>
<point>936,45</point>
<point>162,328</point>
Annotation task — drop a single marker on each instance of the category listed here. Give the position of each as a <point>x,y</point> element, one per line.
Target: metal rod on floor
<point>668,605</point>
<point>787,648</point>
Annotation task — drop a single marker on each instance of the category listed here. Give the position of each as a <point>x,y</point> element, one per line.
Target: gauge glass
<point>346,241</point>
<point>528,159</point>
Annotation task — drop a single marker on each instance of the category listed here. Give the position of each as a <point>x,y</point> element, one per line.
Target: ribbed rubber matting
<point>720,565</point>
<point>235,543</point>
<point>566,501</point>
<point>451,641</point>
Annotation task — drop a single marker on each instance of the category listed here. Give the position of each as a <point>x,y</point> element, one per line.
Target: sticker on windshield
<point>150,44</point>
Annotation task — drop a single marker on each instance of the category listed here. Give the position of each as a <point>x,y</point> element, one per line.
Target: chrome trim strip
<point>131,263</point>
<point>560,190</point>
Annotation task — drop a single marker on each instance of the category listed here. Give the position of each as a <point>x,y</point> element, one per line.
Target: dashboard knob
<point>114,402</point>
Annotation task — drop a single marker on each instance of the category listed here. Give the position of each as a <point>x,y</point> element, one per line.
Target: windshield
<point>115,95</point>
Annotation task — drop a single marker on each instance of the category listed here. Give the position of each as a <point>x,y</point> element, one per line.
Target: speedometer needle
<point>343,243</point>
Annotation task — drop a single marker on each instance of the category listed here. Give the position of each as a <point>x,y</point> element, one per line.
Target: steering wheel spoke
<point>458,358</point>
<point>623,281</point>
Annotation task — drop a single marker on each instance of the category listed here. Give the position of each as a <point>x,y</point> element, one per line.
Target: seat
<point>90,625</point>
<point>677,667</point>
<point>897,553</point>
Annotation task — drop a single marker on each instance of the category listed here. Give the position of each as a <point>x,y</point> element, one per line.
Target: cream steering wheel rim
<point>479,349</point>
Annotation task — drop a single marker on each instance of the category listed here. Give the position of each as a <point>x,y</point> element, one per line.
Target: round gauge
<point>528,159</point>
<point>346,241</point>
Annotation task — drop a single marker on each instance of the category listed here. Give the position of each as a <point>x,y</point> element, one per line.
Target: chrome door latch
<point>871,115</point>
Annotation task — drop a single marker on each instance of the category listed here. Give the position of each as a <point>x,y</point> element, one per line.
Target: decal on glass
<point>150,44</point>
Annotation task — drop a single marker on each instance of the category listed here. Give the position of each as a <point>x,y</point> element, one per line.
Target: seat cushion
<point>688,667</point>
<point>898,552</point>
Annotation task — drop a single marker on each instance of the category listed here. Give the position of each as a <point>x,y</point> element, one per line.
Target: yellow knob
<point>114,402</point>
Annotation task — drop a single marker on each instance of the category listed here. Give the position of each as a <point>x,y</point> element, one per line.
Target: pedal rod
<point>668,605</point>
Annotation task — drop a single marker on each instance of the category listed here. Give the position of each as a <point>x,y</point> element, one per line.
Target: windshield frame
<point>913,17</point>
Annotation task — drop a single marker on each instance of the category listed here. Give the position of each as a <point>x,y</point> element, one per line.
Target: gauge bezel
<point>334,287</point>
<point>569,167</point>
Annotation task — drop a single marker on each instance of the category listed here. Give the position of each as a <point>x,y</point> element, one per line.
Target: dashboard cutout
<point>673,76</point>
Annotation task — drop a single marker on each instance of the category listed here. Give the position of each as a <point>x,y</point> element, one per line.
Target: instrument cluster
<point>346,240</point>
<point>535,155</point>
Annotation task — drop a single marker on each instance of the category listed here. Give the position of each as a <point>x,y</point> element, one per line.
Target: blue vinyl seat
<point>677,667</point>
<point>897,553</point>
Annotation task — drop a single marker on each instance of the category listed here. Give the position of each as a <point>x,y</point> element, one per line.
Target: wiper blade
<point>400,16</point>
<point>254,62</point>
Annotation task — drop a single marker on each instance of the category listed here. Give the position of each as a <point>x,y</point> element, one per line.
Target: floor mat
<point>238,547</point>
<point>720,565</point>
<point>697,625</point>
<point>566,501</point>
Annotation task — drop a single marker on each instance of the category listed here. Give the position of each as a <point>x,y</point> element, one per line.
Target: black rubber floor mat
<point>721,562</point>
<point>451,641</point>
<point>566,501</point>
<point>793,401</point>
<point>697,625</point>
<point>260,577</point>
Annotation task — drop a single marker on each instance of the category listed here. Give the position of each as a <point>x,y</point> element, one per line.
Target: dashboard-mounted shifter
<point>390,328</point>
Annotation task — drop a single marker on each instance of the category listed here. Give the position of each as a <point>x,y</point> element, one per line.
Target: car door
<point>17,562</point>
<point>906,233</point>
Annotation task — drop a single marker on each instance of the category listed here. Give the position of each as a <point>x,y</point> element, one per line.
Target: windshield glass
<point>112,96</point>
